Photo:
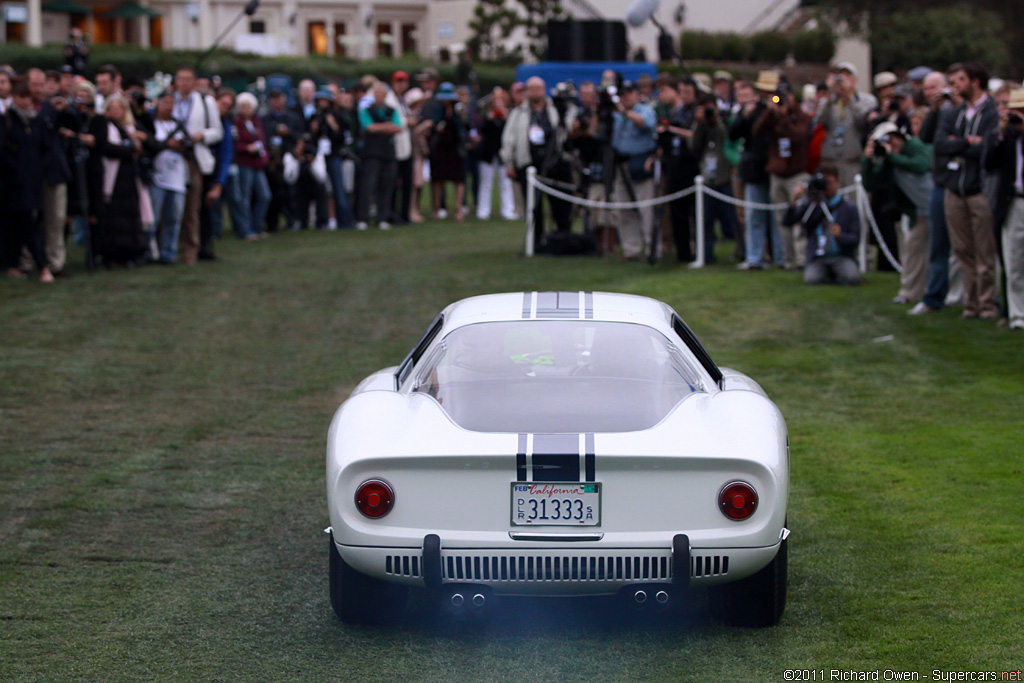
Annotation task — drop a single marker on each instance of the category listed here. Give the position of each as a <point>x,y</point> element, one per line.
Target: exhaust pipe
<point>457,600</point>
<point>640,597</point>
<point>479,600</point>
<point>661,597</point>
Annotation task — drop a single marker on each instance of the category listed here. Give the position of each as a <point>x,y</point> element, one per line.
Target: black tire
<point>360,599</point>
<point>757,601</point>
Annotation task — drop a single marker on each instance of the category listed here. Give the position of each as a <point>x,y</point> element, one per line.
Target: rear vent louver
<point>709,565</point>
<point>556,567</point>
<point>402,565</point>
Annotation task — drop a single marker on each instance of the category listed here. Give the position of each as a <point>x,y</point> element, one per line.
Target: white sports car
<point>562,444</point>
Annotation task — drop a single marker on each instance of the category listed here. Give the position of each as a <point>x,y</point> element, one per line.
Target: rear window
<point>556,376</point>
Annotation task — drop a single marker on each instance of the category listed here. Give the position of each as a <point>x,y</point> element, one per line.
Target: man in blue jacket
<point>832,226</point>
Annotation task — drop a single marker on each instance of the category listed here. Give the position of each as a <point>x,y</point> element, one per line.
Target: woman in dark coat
<point>448,149</point>
<point>117,201</point>
<point>21,183</point>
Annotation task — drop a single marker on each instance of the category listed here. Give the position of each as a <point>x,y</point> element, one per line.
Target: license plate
<point>556,504</point>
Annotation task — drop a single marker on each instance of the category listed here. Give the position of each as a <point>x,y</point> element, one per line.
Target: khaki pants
<point>913,246</point>
<point>55,215</point>
<point>1013,257</point>
<point>635,229</point>
<point>794,242</point>
<point>188,240</point>
<point>969,220</point>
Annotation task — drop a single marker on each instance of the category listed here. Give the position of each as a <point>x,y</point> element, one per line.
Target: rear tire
<point>360,599</point>
<point>757,601</point>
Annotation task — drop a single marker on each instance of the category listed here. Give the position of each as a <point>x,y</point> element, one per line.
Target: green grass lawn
<point>162,506</point>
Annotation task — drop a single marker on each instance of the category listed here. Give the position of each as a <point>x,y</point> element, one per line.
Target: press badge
<point>953,165</point>
<point>785,148</point>
<point>536,135</point>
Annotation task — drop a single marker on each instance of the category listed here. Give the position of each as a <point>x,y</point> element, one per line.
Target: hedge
<point>813,46</point>
<point>238,68</point>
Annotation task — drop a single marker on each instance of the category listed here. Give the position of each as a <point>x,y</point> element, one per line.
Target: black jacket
<point>1001,157</point>
<point>22,153</point>
<point>756,148</point>
<point>964,178</point>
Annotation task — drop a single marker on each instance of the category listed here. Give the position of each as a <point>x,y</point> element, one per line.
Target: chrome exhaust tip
<point>479,600</point>
<point>457,600</point>
<point>640,597</point>
<point>662,597</point>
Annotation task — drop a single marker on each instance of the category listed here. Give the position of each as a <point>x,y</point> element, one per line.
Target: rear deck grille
<point>521,567</point>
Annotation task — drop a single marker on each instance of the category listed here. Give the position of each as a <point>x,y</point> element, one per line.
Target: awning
<point>130,10</point>
<point>66,7</point>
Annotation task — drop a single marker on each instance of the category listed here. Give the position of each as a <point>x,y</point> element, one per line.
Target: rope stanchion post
<point>698,183</point>
<point>531,203</point>
<point>861,203</point>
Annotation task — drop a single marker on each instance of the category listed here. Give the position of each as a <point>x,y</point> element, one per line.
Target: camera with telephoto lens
<point>781,95</point>
<point>1016,119</point>
<point>816,187</point>
<point>562,95</point>
<point>880,150</point>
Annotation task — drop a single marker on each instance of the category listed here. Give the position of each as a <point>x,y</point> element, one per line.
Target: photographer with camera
<point>680,162</point>
<point>897,165</point>
<point>634,144</point>
<point>844,117</point>
<point>535,135</point>
<point>1004,154</point>
<point>709,144</point>
<point>760,223</point>
<point>832,226</point>
<point>590,138</point>
<point>789,128</point>
<point>282,127</point>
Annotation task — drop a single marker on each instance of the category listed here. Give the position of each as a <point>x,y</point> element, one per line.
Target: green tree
<point>534,17</point>
<point>976,17</point>
<point>492,22</point>
<point>940,37</point>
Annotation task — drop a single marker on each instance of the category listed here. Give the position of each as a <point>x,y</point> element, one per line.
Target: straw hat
<point>767,81</point>
<point>1016,98</point>
<point>884,79</point>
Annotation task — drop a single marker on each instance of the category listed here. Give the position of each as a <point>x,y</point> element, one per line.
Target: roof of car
<point>558,306</point>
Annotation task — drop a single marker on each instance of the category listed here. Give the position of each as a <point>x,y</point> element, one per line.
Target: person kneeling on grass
<point>832,226</point>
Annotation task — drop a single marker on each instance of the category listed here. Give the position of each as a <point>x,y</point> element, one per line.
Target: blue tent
<point>577,72</point>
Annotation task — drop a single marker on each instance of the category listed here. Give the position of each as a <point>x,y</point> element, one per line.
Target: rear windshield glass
<point>556,376</point>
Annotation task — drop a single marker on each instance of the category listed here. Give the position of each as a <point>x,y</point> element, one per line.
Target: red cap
<point>399,76</point>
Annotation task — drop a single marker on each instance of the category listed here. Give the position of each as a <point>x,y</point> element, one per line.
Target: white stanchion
<point>531,203</point>
<point>698,183</point>
<point>860,198</point>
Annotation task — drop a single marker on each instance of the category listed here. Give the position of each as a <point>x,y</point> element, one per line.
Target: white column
<point>144,38</point>
<point>396,39</point>
<point>331,39</point>
<point>368,43</point>
<point>34,26</point>
<point>205,24</point>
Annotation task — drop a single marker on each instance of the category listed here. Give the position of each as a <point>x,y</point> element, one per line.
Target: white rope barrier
<point>699,188</point>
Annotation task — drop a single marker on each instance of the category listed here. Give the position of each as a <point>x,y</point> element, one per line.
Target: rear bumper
<point>558,570</point>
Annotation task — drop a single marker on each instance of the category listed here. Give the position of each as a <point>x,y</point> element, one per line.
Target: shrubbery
<point>239,69</point>
<point>815,46</point>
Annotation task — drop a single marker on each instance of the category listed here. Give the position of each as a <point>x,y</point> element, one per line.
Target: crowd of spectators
<point>142,177</point>
<point>145,177</point>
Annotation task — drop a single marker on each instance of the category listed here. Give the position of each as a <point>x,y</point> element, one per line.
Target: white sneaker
<point>900,299</point>
<point>384,225</point>
<point>920,309</point>
<point>442,214</point>
<point>361,225</point>
<point>332,223</point>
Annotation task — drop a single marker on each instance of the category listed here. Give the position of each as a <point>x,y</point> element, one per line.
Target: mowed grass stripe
<point>161,476</point>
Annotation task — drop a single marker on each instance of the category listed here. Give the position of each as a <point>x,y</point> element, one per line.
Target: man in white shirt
<point>199,115</point>
<point>170,178</point>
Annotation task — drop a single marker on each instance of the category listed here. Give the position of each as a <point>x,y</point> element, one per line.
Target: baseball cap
<point>846,66</point>
<point>399,76</point>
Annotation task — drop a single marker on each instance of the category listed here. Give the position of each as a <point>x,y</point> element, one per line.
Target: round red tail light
<point>374,498</point>
<point>738,500</point>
